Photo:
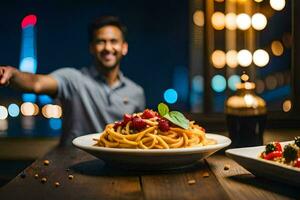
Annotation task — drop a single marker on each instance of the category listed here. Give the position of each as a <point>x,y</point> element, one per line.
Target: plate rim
<point>226,142</point>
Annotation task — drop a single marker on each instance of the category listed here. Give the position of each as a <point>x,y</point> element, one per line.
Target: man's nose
<point>108,46</point>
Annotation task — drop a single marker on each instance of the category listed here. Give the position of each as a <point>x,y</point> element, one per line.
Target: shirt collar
<point>94,72</point>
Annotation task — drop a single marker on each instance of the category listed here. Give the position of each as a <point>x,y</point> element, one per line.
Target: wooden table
<point>94,180</point>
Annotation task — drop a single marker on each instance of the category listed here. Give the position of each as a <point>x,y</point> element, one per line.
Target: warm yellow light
<point>261,58</point>
<point>198,18</point>
<point>28,109</point>
<point>231,58</point>
<point>287,105</point>
<point>218,59</point>
<point>36,109</point>
<point>244,58</point>
<point>259,21</point>
<point>277,4</point>
<point>52,111</point>
<point>3,112</point>
<point>230,21</point>
<point>243,21</point>
<point>277,48</point>
<point>258,1</point>
<point>218,20</point>
<point>220,1</point>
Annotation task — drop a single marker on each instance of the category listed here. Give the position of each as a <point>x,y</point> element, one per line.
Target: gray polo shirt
<point>89,103</point>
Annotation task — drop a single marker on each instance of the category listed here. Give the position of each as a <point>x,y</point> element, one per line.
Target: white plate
<point>249,158</point>
<point>150,159</point>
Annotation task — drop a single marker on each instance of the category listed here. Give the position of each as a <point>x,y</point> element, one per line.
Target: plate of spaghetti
<point>152,140</point>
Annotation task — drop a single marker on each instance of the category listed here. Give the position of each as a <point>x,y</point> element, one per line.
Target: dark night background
<point>158,38</point>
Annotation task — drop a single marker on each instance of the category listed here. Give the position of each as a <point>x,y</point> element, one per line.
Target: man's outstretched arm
<point>27,82</point>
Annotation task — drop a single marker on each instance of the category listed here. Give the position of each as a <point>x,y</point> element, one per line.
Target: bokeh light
<point>29,20</point>
<point>28,109</point>
<point>230,21</point>
<point>287,105</point>
<point>55,124</point>
<point>198,18</point>
<point>198,83</point>
<point>277,48</point>
<point>170,96</point>
<point>3,113</point>
<point>52,111</point>
<point>271,82</point>
<point>277,4</point>
<point>258,1</point>
<point>244,58</point>
<point>218,20</point>
<point>218,59</point>
<point>13,110</point>
<point>232,81</point>
<point>259,21</point>
<point>3,126</point>
<point>260,86</point>
<point>261,58</point>
<point>231,58</point>
<point>218,83</point>
<point>243,21</point>
<point>28,64</point>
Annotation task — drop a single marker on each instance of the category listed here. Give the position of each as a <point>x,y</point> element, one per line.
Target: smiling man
<point>92,96</point>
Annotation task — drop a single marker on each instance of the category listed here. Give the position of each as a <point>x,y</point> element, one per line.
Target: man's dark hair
<point>106,21</point>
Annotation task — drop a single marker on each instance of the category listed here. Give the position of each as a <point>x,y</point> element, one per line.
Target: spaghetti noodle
<point>148,130</point>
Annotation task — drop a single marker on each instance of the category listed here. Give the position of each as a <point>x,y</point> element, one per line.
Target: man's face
<point>108,46</point>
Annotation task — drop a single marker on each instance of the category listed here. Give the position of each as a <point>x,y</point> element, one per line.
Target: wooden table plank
<point>92,179</point>
<point>175,184</point>
<point>241,184</point>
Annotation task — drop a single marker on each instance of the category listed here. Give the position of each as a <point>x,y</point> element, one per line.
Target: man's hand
<point>6,74</point>
<point>27,82</point>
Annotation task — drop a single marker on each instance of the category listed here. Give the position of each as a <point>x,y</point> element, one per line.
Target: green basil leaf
<point>178,118</point>
<point>163,109</point>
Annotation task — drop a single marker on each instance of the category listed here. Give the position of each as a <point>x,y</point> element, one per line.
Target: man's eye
<point>99,42</point>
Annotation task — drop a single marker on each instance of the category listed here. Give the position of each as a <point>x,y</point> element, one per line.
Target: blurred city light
<point>13,110</point>
<point>198,83</point>
<point>3,125</point>
<point>29,20</point>
<point>170,96</point>
<point>3,113</point>
<point>230,21</point>
<point>232,81</point>
<point>259,21</point>
<point>218,83</point>
<point>271,82</point>
<point>244,58</point>
<point>277,48</point>
<point>287,105</point>
<point>198,18</point>
<point>261,58</point>
<point>52,111</point>
<point>260,86</point>
<point>277,4</point>
<point>243,21</point>
<point>231,58</point>
<point>218,59</point>
<point>218,20</point>
<point>55,124</point>
<point>28,109</point>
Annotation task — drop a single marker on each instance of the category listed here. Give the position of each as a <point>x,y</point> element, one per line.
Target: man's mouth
<point>108,56</point>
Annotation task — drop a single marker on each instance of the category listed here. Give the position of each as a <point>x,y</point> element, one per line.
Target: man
<point>93,96</point>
